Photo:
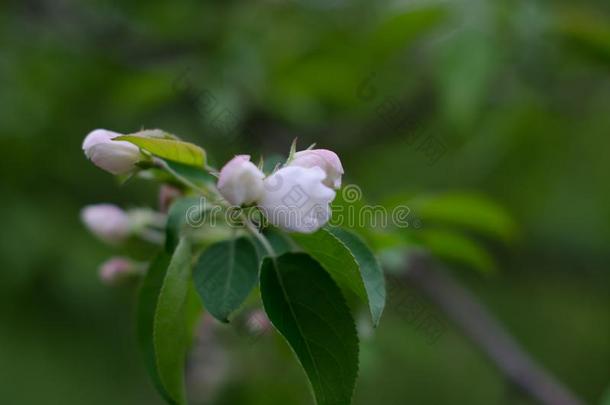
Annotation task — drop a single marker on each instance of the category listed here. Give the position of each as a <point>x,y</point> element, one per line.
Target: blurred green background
<point>516,92</point>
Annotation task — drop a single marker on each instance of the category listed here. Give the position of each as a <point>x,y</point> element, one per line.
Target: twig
<point>463,309</point>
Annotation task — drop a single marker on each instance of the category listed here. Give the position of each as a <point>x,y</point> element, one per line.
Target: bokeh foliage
<point>517,91</point>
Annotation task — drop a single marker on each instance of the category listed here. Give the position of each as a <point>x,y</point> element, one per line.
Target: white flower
<point>240,181</point>
<point>108,222</point>
<point>117,269</point>
<point>297,200</point>
<point>116,157</point>
<point>324,159</point>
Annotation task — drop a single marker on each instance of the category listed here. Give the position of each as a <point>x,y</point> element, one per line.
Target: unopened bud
<point>258,323</point>
<point>116,157</point>
<point>296,199</point>
<point>324,159</point>
<point>240,181</point>
<point>118,269</point>
<point>106,221</point>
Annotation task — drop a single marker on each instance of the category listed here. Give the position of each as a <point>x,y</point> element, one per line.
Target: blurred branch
<point>465,311</point>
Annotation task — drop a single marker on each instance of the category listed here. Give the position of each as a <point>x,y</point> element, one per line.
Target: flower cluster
<point>295,197</point>
<point>115,226</point>
<point>261,231</point>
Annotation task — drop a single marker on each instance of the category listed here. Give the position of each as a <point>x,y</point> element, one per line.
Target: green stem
<point>152,236</point>
<point>185,181</point>
<point>258,235</point>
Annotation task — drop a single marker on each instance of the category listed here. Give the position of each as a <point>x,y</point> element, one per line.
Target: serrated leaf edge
<point>375,321</point>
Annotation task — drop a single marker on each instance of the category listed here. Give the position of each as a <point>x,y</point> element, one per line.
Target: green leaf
<point>193,174</point>
<point>177,219</point>
<point>280,242</point>
<point>345,267</point>
<point>156,133</point>
<point>225,274</point>
<point>193,314</point>
<point>177,151</point>
<point>307,308</point>
<point>465,210</point>
<point>345,208</point>
<point>147,306</point>
<point>370,270</point>
<point>170,329</point>
<point>465,72</point>
<point>458,248</point>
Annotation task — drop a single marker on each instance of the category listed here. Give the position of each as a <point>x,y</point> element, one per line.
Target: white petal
<point>98,136</point>
<point>295,199</point>
<point>116,157</point>
<point>324,159</point>
<point>240,181</point>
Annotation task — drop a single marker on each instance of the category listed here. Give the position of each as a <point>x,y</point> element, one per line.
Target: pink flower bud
<point>324,159</point>
<point>240,181</point>
<point>258,323</point>
<point>116,157</point>
<point>296,199</point>
<point>106,221</point>
<point>117,269</point>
